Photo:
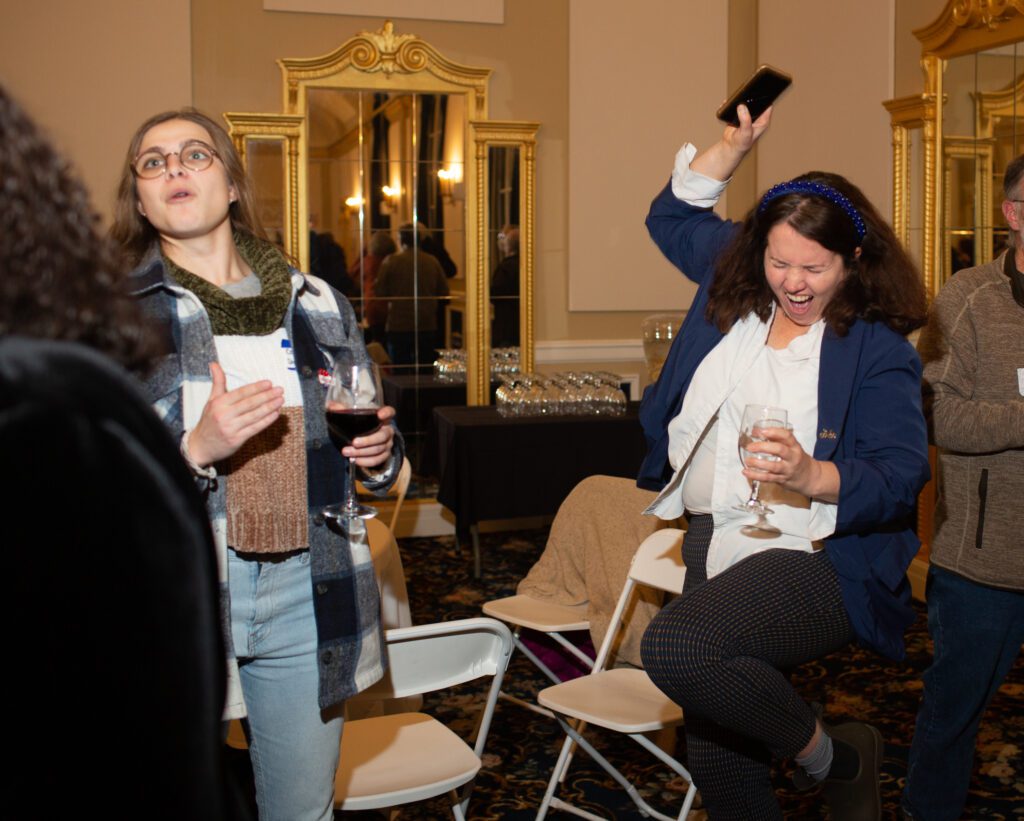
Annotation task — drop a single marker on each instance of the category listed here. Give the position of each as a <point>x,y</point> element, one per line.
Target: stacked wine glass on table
<point>561,394</point>
<point>450,365</point>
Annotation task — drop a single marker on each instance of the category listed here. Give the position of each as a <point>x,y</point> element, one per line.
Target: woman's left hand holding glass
<point>794,468</point>
<point>374,449</point>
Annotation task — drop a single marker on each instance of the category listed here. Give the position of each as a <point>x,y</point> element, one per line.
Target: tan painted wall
<point>91,73</point>
<point>831,118</point>
<point>629,111</point>
<point>910,15</point>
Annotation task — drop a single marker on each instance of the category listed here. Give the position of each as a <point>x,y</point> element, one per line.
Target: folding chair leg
<point>563,758</point>
<point>459,807</point>
<point>474,534</point>
<point>645,808</point>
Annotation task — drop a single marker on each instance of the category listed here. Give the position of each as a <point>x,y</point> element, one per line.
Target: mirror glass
<point>387,227</point>
<point>266,165</point>
<point>983,129</point>
<point>503,244</point>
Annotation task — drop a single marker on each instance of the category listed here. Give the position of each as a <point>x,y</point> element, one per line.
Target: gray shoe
<point>858,798</point>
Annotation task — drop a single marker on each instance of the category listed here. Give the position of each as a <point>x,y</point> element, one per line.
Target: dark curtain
<point>378,166</point>
<point>429,202</point>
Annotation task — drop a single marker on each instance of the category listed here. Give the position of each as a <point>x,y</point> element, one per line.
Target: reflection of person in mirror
<point>364,273</point>
<point>243,392</point>
<point>328,262</point>
<point>804,306</point>
<point>106,542</point>
<point>505,290</point>
<point>973,352</point>
<point>411,281</point>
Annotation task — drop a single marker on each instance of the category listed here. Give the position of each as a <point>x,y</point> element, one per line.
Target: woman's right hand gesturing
<point>230,418</point>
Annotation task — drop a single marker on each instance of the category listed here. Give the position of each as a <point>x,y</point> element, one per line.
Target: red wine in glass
<point>346,424</point>
<point>353,399</point>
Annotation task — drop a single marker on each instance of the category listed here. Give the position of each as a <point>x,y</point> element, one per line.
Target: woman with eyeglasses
<point>248,342</point>
<point>798,326</point>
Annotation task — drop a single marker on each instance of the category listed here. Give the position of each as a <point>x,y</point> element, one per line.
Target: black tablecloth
<point>414,397</point>
<point>495,467</point>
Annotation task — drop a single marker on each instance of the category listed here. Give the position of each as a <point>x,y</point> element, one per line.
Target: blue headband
<point>820,190</point>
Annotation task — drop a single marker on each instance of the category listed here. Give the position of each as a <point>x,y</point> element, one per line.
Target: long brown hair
<point>134,233</point>
<point>882,284</point>
<point>60,276</point>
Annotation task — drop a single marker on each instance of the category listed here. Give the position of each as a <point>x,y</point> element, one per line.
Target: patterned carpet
<point>854,684</point>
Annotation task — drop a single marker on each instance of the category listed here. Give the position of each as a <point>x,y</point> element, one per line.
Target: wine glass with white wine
<point>755,419</point>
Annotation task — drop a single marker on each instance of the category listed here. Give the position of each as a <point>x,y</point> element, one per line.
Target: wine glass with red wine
<point>353,398</point>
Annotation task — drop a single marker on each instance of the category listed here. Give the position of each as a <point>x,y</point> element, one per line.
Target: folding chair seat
<point>623,700</point>
<point>574,584</point>
<point>554,620</point>
<point>398,759</point>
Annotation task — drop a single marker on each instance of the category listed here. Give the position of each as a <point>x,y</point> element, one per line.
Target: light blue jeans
<point>293,744</point>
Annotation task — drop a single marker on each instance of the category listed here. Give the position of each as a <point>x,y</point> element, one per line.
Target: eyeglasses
<point>195,155</point>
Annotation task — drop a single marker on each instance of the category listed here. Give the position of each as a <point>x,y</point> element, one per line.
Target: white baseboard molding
<point>558,351</point>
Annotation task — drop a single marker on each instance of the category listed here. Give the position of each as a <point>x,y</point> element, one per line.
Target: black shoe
<point>857,798</point>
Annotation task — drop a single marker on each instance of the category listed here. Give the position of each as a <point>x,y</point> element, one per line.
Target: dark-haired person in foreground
<point>803,306</point>
<point>118,681</point>
<point>973,352</point>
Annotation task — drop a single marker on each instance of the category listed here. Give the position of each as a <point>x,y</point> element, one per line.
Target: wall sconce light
<point>353,204</point>
<point>391,195</point>
<point>447,180</point>
<point>450,180</point>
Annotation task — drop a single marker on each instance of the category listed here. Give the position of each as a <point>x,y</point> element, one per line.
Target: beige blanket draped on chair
<point>593,538</point>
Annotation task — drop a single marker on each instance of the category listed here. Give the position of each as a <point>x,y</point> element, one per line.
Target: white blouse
<point>704,436</point>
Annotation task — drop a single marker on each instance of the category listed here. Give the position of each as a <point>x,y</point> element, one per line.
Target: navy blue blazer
<point>870,426</point>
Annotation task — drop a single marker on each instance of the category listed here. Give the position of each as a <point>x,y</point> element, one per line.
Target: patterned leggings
<point>718,651</point>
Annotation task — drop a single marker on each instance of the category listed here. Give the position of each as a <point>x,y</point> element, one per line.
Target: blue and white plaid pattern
<point>345,596</point>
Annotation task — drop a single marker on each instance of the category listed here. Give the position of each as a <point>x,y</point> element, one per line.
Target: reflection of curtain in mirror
<point>429,202</point>
<point>378,165</point>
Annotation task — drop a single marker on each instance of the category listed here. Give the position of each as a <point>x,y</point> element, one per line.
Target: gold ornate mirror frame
<point>285,129</point>
<point>522,138</point>
<point>387,62</point>
<point>964,27</point>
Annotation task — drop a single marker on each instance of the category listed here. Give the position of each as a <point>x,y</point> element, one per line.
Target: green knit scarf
<point>250,315</point>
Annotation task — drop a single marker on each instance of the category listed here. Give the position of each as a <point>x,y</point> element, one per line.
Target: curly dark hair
<point>882,283</point>
<point>133,233</point>
<point>61,278</point>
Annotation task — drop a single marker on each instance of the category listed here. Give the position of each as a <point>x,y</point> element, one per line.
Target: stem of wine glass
<point>350,494</point>
<point>755,489</point>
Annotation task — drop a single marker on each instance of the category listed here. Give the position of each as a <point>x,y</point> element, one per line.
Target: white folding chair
<point>545,617</point>
<point>394,612</point>
<point>622,700</point>
<point>387,564</point>
<point>398,759</point>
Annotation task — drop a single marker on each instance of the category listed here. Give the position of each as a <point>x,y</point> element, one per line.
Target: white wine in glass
<point>755,419</point>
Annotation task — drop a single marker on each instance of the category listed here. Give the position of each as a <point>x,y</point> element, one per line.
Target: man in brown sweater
<point>973,353</point>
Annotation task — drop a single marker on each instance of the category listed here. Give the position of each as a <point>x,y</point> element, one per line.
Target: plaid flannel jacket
<point>346,601</point>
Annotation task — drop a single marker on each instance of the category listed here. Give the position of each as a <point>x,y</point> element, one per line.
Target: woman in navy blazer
<point>870,455</point>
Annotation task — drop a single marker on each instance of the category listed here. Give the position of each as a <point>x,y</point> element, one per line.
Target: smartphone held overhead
<point>757,94</point>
